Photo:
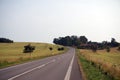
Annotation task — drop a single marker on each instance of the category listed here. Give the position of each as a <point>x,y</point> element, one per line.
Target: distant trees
<point>66,41</point>
<point>114,43</point>
<point>83,43</point>
<point>83,40</point>
<point>5,40</point>
<point>70,40</point>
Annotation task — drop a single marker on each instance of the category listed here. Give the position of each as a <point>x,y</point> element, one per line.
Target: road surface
<point>60,67</point>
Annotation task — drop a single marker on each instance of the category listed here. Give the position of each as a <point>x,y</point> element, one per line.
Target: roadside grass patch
<point>109,63</point>
<point>92,71</point>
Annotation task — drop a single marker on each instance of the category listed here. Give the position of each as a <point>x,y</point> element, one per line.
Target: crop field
<point>12,53</point>
<point>107,62</point>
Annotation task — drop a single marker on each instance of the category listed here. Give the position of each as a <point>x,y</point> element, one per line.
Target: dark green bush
<point>28,48</point>
<point>60,49</point>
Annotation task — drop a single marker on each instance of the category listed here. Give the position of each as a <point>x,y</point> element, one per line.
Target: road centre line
<point>32,69</point>
<point>67,76</point>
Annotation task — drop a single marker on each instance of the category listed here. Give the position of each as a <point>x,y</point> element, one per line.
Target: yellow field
<point>108,62</point>
<point>13,52</point>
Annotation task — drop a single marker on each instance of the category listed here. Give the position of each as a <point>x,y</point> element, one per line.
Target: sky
<point>44,20</point>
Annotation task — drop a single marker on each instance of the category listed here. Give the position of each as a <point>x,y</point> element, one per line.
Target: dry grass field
<point>108,62</point>
<point>12,53</point>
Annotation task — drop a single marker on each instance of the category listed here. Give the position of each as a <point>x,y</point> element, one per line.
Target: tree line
<point>5,40</point>
<point>70,40</point>
<point>83,43</point>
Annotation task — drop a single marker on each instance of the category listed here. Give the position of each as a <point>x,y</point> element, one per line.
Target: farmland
<point>108,63</point>
<point>12,53</point>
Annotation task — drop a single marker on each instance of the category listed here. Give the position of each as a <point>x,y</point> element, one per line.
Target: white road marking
<point>16,66</point>
<point>32,69</point>
<point>67,76</point>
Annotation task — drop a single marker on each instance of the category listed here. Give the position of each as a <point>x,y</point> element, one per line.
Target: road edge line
<point>31,70</point>
<point>67,76</point>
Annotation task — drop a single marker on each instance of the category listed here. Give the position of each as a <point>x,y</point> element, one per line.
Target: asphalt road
<point>60,67</point>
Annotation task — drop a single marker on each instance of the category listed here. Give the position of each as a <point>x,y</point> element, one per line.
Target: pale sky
<point>44,20</point>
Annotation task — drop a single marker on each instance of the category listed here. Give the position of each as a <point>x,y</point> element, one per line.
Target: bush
<point>5,40</point>
<point>28,48</point>
<point>50,48</point>
<point>60,49</point>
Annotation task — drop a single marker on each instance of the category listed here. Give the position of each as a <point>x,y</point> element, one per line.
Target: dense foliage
<point>5,40</point>
<point>28,48</point>
<point>70,40</point>
<point>83,43</point>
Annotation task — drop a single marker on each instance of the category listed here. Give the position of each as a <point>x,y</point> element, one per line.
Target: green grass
<point>91,71</point>
<point>108,62</point>
<point>12,53</point>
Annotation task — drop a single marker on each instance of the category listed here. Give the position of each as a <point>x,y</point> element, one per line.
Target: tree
<point>113,40</point>
<point>68,41</point>
<point>74,40</point>
<point>56,41</point>
<point>83,40</point>
<point>5,40</point>
<point>114,43</point>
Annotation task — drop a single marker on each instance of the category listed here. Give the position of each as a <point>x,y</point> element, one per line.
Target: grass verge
<point>91,71</point>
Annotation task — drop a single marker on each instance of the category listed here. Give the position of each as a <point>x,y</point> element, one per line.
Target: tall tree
<point>114,43</point>
<point>83,40</point>
<point>113,40</point>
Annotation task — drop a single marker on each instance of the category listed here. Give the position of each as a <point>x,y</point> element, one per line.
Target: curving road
<point>60,67</point>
